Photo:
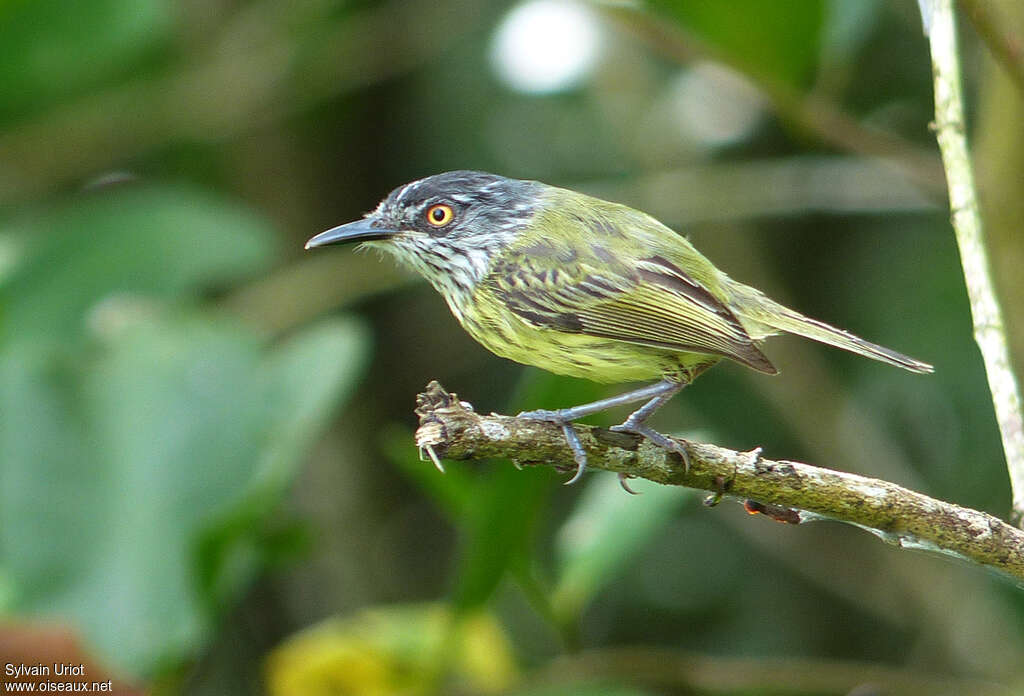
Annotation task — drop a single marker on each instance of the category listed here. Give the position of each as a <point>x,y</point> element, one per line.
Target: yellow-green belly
<point>576,355</point>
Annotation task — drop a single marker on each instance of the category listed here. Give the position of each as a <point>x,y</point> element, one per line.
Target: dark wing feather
<point>653,303</point>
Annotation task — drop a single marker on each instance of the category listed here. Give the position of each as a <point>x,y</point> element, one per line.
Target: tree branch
<point>450,428</point>
<point>814,113</point>
<point>989,331</point>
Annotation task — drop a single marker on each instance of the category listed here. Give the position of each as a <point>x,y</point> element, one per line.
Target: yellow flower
<point>400,650</point>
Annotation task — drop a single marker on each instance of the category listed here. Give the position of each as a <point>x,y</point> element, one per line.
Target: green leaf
<point>165,242</point>
<point>119,461</point>
<point>605,532</point>
<point>499,517</point>
<point>500,524</point>
<point>53,49</point>
<point>773,39</point>
<point>305,377</point>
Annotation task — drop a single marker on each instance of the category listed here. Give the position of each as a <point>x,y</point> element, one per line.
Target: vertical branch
<point>989,332</point>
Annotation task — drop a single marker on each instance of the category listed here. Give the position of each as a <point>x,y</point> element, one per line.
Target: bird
<point>583,287</point>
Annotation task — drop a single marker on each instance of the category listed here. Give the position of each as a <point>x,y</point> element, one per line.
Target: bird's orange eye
<point>440,215</point>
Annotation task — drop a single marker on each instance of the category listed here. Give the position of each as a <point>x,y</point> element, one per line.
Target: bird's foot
<point>572,438</point>
<point>663,441</point>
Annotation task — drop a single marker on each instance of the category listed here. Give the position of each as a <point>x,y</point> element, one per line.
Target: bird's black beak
<point>365,230</point>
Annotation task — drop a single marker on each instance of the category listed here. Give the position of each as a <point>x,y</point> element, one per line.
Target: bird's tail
<point>781,318</point>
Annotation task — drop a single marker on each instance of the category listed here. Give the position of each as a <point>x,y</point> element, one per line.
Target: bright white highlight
<point>715,105</point>
<point>546,46</point>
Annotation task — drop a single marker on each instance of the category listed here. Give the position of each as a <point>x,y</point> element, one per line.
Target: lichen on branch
<point>450,428</point>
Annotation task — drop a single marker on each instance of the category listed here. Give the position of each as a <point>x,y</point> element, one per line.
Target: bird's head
<point>448,226</point>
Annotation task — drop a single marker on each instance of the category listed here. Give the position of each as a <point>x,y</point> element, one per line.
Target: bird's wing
<point>651,302</point>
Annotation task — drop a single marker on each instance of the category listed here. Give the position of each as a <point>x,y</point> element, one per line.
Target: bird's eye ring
<point>440,214</point>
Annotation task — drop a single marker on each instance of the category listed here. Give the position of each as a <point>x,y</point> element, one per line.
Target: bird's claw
<point>624,482</point>
<point>572,438</point>
<point>631,425</point>
<point>654,436</point>
<point>578,453</point>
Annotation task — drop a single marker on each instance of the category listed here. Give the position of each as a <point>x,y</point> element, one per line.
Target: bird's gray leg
<point>565,416</point>
<point>571,414</point>
<point>636,424</point>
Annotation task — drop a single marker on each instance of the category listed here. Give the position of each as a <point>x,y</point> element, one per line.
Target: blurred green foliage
<point>52,51</point>
<point>200,457</point>
<point>766,37</point>
<point>168,243</point>
<point>136,424</point>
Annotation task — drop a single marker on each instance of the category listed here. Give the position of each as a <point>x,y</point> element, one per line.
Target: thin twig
<point>817,115</point>
<point>989,331</point>
<point>893,513</point>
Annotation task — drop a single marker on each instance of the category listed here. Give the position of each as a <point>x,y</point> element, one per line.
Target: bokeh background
<point>208,483</point>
